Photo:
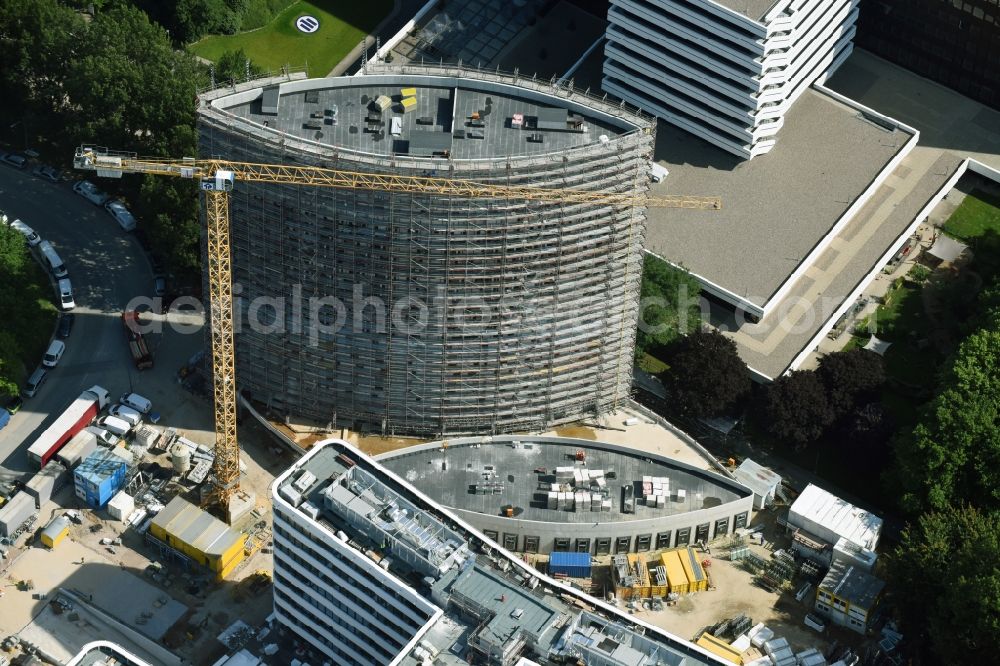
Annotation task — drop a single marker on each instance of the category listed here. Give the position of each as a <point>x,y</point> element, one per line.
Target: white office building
<point>370,572</point>
<point>724,70</point>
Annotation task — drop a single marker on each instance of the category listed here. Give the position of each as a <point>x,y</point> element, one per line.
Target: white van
<point>657,173</point>
<point>53,354</point>
<point>66,295</point>
<point>124,413</point>
<point>52,259</point>
<point>137,402</point>
<point>35,382</point>
<point>114,425</point>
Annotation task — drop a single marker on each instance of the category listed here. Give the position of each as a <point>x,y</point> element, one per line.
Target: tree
<point>669,307</point>
<point>945,574</point>
<point>954,451</point>
<point>232,66</point>
<point>868,429</point>
<point>795,408</point>
<point>851,378</point>
<point>707,377</point>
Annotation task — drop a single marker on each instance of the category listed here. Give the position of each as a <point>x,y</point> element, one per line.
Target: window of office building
<point>561,545</point>
<point>490,534</point>
<point>701,533</point>
<point>622,544</point>
<point>603,546</point>
<point>583,545</point>
<point>740,520</point>
<point>663,540</point>
<point>721,527</point>
<point>531,544</point>
<point>642,542</point>
<point>683,536</point>
<point>510,541</point>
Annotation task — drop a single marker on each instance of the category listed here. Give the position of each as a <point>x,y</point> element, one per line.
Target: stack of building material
<point>564,474</point>
<point>581,499</point>
<point>810,657</point>
<point>642,587</point>
<point>780,652</point>
<point>658,581</point>
<point>606,504</point>
<point>655,490</point>
<point>553,499</point>
<point>720,648</point>
<point>759,635</point>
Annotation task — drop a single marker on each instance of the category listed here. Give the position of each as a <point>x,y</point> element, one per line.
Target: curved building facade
<point>408,313</point>
<point>479,478</point>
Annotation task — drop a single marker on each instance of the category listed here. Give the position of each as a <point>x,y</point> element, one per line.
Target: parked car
<point>66,294</point>
<point>15,160</point>
<point>29,234</point>
<point>126,413</point>
<point>103,436</point>
<point>54,353</point>
<point>89,191</point>
<point>35,382</point>
<point>115,425</point>
<point>14,404</point>
<point>159,285</point>
<point>47,172</point>
<point>65,326</point>
<point>121,215</point>
<point>137,402</point>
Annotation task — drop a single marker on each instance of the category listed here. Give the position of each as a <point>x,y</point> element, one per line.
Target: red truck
<point>136,342</point>
<point>80,412</point>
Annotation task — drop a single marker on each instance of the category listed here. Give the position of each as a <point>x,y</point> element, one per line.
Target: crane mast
<point>217,178</point>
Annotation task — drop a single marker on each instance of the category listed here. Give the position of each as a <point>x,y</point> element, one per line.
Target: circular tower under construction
<point>425,312</point>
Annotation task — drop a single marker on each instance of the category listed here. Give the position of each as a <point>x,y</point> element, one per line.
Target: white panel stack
<point>606,505</point>
<point>553,499</point>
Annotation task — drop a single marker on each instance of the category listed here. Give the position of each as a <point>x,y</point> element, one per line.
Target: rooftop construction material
<point>533,272</point>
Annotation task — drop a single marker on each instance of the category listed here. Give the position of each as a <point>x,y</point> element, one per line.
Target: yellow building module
<point>677,580</point>
<point>199,535</point>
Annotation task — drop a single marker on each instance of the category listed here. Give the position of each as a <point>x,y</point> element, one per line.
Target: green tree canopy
<point>795,408</point>
<point>954,451</point>
<point>851,379</point>
<point>945,575</point>
<point>669,305</point>
<point>707,377</point>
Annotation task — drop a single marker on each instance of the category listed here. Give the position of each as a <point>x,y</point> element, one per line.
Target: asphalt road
<point>107,268</point>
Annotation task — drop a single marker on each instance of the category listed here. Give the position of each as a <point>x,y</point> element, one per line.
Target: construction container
<point>574,565</point>
<point>199,535</point>
<point>49,480</point>
<point>81,445</point>
<point>18,509</point>
<point>643,587</point>
<point>55,531</point>
<point>121,506</point>
<point>408,104</point>
<point>677,579</point>
<point>720,648</point>
<point>408,92</point>
<point>692,567</point>
<point>99,477</point>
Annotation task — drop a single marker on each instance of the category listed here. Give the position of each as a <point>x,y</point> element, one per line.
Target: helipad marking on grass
<point>307,24</point>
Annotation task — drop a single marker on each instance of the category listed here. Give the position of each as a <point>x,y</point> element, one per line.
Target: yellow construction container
<point>642,588</point>
<point>677,579</point>
<point>199,535</point>
<point>692,567</point>
<point>409,104</point>
<point>408,92</point>
<point>720,648</point>
<point>55,531</point>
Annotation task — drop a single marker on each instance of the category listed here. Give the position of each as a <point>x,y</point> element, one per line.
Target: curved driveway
<point>107,269</point>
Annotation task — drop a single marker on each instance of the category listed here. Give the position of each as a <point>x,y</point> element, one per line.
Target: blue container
<point>99,477</point>
<point>574,565</point>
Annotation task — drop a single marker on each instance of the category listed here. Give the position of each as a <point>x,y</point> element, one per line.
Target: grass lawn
<point>978,214</point>
<point>341,27</point>
<point>651,364</point>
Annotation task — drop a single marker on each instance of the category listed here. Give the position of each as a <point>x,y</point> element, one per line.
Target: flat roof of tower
<point>425,116</point>
<point>776,207</point>
<point>517,470</point>
<point>754,9</point>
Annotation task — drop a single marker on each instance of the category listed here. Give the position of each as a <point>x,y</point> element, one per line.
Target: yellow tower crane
<point>217,178</point>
